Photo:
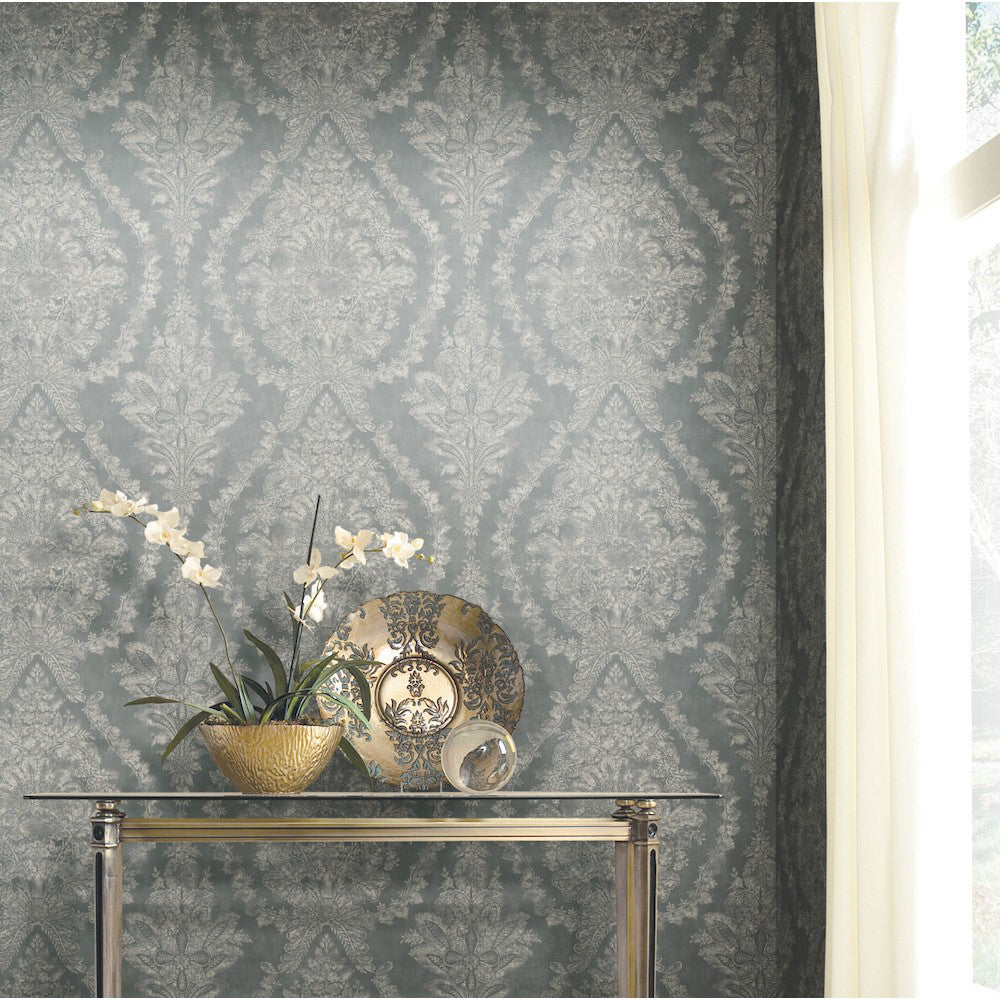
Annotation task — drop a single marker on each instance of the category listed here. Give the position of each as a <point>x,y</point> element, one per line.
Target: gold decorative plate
<point>440,662</point>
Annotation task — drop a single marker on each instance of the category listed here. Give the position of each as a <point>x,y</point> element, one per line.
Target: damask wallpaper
<point>538,282</point>
<point>800,833</point>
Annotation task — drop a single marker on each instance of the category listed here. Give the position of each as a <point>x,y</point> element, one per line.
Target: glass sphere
<point>478,756</point>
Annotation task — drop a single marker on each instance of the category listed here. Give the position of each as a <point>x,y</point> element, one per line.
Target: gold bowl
<point>278,758</point>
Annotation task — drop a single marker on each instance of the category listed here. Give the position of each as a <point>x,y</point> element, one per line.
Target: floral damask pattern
<point>470,132</point>
<point>181,135</point>
<point>801,516</point>
<point>492,943</point>
<point>180,404</point>
<point>473,405</point>
<point>616,276</point>
<point>207,942</point>
<point>62,272</point>
<point>51,61</point>
<point>327,272</point>
<point>541,280</point>
<point>608,498</point>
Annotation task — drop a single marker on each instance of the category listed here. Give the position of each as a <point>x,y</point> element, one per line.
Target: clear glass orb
<point>478,756</point>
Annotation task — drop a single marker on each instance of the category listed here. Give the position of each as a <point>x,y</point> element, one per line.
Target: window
<point>978,189</point>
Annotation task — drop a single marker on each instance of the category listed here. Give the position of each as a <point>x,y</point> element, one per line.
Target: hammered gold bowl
<point>278,758</point>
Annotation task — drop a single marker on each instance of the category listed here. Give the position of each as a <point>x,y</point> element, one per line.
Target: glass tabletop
<point>108,795</point>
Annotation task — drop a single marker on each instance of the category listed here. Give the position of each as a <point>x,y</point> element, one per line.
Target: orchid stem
<point>322,583</point>
<point>302,604</point>
<point>211,607</point>
<point>222,632</point>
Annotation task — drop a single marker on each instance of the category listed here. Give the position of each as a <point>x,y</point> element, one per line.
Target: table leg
<point>107,846</point>
<point>635,891</point>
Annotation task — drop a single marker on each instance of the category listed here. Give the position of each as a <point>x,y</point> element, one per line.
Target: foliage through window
<point>982,60</point>
<point>983,107</point>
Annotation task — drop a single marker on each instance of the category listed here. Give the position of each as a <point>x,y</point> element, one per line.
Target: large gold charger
<point>439,661</point>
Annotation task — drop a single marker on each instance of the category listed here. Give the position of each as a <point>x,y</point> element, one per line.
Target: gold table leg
<point>107,844</point>
<point>635,892</point>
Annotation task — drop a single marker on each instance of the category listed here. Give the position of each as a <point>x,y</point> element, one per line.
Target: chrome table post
<point>635,896</point>
<point>106,841</point>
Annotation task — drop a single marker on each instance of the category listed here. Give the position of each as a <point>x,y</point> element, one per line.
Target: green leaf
<point>232,713</point>
<point>258,689</point>
<point>310,672</point>
<point>362,680</point>
<point>309,680</point>
<point>155,699</point>
<point>319,672</point>
<point>348,704</point>
<point>245,704</point>
<point>320,675</point>
<point>304,666</point>
<point>301,706</point>
<point>183,733</point>
<point>273,661</point>
<point>350,752</point>
<point>226,686</point>
<point>295,700</point>
<point>353,666</point>
<point>276,704</point>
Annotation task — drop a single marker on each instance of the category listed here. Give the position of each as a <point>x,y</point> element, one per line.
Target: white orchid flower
<point>121,505</point>
<point>354,544</point>
<point>399,548</point>
<point>164,530</point>
<point>104,504</point>
<point>204,576</point>
<point>183,546</point>
<point>189,548</point>
<point>315,602</point>
<point>308,572</point>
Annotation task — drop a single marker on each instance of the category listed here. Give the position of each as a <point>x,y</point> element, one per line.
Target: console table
<point>632,827</point>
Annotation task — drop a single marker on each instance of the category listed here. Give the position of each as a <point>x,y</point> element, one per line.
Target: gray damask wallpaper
<point>540,283</point>
<point>800,833</point>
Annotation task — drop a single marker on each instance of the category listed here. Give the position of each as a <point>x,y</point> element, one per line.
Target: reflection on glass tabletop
<point>108,795</point>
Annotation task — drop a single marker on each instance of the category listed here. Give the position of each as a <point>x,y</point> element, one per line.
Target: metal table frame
<point>632,828</point>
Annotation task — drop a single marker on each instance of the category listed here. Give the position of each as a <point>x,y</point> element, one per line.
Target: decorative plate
<point>440,662</point>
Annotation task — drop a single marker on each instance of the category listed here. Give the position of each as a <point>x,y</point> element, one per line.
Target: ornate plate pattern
<point>441,661</point>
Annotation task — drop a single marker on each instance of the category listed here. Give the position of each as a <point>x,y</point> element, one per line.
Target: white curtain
<point>897,573</point>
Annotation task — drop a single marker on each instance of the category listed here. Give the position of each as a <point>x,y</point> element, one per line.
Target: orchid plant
<point>291,693</point>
